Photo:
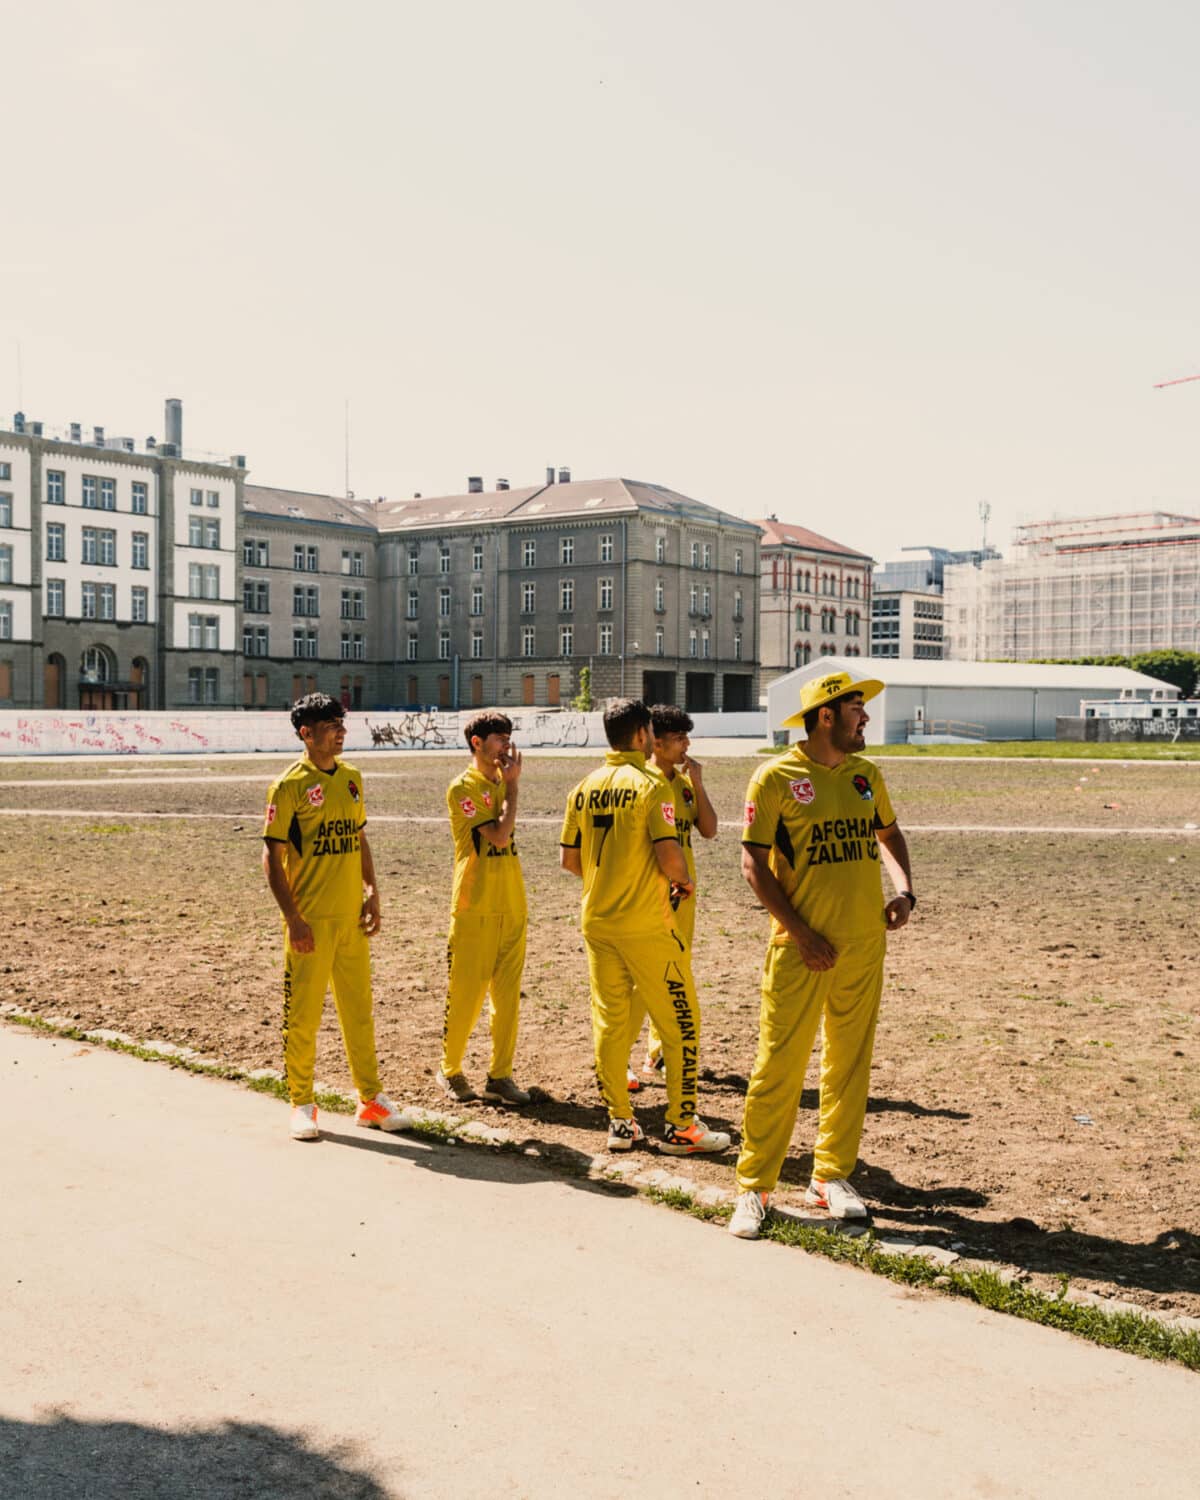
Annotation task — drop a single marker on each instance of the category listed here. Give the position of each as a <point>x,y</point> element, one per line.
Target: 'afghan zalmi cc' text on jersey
<point>487,879</point>
<point>318,816</point>
<point>614,817</point>
<point>820,825</point>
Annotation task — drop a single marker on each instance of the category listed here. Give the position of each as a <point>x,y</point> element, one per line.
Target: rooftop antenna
<point>985,515</point>
<point>20,394</point>
<point>346,488</point>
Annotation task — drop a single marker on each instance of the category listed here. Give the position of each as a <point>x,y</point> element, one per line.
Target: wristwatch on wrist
<point>912,900</point>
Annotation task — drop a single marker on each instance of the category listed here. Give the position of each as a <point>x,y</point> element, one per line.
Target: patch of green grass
<point>1039,750</point>
<point>109,828</point>
<point>1120,1330</point>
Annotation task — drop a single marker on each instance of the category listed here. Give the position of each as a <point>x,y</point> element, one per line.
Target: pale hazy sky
<point>863,265</point>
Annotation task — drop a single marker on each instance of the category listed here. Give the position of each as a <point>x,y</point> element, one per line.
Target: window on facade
<point>56,596</point>
<point>477,557</point>
<point>346,647</point>
<point>606,549</point>
<point>566,639</point>
<point>304,643</point>
<point>528,598</point>
<point>695,554</point>
<point>737,560</point>
<point>737,604</point>
<point>139,555</point>
<point>528,641</point>
<point>6,620</point>
<point>89,551</point>
<point>89,491</point>
<point>413,647</point>
<point>108,601</point>
<point>138,497</point>
<point>414,562</point>
<point>606,593</point>
<point>197,497</point>
<point>212,533</point>
<point>56,542</point>
<point>256,640</point>
<point>737,646</point>
<point>693,599</point>
<point>566,594</point>
<point>444,645</point>
<point>214,499</point>
<point>477,601</point>
<point>414,604</point>
<point>56,487</point>
<point>708,554</point>
<point>195,581</point>
<point>443,559</point>
<point>306,599</point>
<point>360,647</point>
<point>705,644</point>
<point>312,559</point>
<point>139,604</point>
<point>444,604</point>
<point>660,641</point>
<point>605,641</point>
<point>108,494</point>
<point>107,543</point>
<point>87,601</point>
<point>298,559</point>
<point>212,582</point>
<point>691,643</point>
<point>528,554</point>
<point>706,602</point>
<point>660,594</point>
<point>476,645</point>
<point>195,532</point>
<point>566,549</point>
<point>203,684</point>
<point>660,549</point>
<point>256,596</point>
<point>6,564</point>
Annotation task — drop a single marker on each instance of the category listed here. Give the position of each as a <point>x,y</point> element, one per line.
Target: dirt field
<point>1036,1094</point>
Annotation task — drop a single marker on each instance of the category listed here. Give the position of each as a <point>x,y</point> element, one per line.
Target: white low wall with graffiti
<point>56,732</point>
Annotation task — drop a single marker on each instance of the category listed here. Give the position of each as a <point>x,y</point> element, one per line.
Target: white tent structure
<point>991,700</point>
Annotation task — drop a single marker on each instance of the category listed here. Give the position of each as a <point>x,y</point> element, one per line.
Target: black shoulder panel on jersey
<point>475,839</point>
<point>783,842</point>
<point>295,837</point>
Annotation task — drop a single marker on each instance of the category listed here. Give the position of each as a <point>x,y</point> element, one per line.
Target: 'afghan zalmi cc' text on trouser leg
<point>341,956</point>
<point>794,1001</point>
<point>660,970</point>
<point>485,953</point>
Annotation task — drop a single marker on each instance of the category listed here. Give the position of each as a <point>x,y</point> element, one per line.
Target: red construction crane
<point>1183,380</point>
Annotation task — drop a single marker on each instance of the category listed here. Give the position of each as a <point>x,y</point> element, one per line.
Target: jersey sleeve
<point>761,813</point>
<point>280,807</point>
<point>571,836</point>
<point>660,812</point>
<point>885,814</point>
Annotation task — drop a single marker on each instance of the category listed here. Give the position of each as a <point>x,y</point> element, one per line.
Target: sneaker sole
<point>752,1232</point>
<point>500,1099</point>
<point>693,1150</point>
<point>846,1213</point>
<point>308,1135</point>
<point>623,1145</point>
<point>387,1126</point>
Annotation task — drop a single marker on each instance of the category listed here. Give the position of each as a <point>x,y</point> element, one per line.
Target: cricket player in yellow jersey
<point>693,811</point>
<point>487,910</point>
<point>318,865</point>
<point>619,837</point>
<point>818,824</point>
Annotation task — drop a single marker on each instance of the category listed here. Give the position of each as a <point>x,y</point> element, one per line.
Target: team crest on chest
<point>353,790</point>
<point>802,789</point>
<point>687,794</point>
<point>468,807</point>
<point>863,787</point>
<point>316,796</point>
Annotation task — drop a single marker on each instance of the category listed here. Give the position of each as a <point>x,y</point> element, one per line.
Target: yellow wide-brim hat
<point>819,690</point>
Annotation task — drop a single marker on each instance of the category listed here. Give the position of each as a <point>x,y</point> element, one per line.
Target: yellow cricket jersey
<point>487,880</point>
<point>819,825</point>
<point>317,816</point>
<point>614,818</point>
<point>684,795</point>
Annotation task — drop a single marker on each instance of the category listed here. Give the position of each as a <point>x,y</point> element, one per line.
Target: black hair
<point>813,717</point>
<point>491,721</point>
<point>315,708</point>
<point>622,720</point>
<point>667,719</point>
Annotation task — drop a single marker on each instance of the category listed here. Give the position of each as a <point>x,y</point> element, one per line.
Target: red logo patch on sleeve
<point>669,813</point>
<point>468,807</point>
<point>271,811</point>
<point>316,796</point>
<point>487,798</point>
<point>751,812</point>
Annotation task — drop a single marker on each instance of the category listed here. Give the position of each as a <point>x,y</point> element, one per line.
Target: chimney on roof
<point>76,432</point>
<point>151,443</point>
<point>173,422</point>
<point>474,485</point>
<point>502,484</point>
<point>98,436</point>
<point>564,476</point>
<point>18,421</point>
<point>550,474</point>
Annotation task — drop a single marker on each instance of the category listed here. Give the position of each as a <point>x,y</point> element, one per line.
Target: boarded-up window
<point>552,689</point>
<point>527,688</point>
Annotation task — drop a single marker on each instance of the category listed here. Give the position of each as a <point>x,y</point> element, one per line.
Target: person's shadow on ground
<point>126,1461</point>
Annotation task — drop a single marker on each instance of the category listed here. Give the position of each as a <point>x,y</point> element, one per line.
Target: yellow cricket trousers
<point>484,953</point>
<point>794,1001</point>
<point>342,957</point>
<point>660,969</point>
<point>685,926</point>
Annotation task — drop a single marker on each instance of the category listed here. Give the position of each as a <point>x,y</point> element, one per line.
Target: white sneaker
<point>748,1215</point>
<point>624,1135</point>
<point>837,1196</point>
<point>381,1114</point>
<point>303,1126</point>
<point>632,1082</point>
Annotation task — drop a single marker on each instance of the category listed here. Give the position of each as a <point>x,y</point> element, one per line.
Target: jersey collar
<point>626,758</point>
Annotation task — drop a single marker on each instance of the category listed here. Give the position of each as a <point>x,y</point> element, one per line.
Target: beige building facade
<point>814,598</point>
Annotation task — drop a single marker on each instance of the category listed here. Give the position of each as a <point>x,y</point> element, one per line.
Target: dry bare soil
<point>1036,1089</point>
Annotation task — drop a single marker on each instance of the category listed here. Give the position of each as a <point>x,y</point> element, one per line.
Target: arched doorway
<point>97,678</point>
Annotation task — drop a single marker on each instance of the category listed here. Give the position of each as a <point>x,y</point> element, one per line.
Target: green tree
<point>1180,668</point>
<point>582,701</point>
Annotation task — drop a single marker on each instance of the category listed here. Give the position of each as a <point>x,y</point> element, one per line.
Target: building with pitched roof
<point>814,598</point>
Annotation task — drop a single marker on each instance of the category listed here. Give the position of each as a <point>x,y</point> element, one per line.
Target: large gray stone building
<point>138,576</point>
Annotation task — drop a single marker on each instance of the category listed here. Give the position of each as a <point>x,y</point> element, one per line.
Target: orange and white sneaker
<point>837,1197</point>
<point>632,1082</point>
<point>654,1064</point>
<point>381,1114</point>
<point>696,1140</point>
<point>303,1124</point>
<point>749,1212</point>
